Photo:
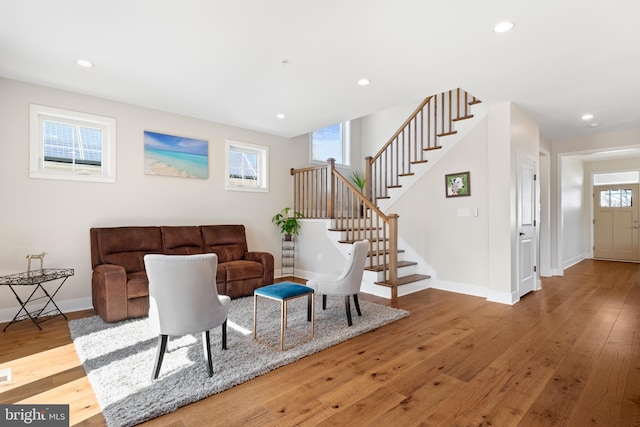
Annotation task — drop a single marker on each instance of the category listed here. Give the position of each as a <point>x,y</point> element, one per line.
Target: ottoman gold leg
<point>255,316</point>
<point>283,321</point>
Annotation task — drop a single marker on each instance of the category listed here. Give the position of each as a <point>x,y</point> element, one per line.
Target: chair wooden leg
<point>347,305</point>
<point>357,304</point>
<point>162,348</point>
<point>206,343</point>
<point>324,302</point>
<point>224,335</point>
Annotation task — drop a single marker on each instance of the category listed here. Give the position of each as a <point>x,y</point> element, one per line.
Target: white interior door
<point>616,222</point>
<point>526,225</point>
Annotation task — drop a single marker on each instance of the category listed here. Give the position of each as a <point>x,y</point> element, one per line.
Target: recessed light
<point>593,125</point>
<point>84,63</point>
<point>280,116</point>
<point>587,116</point>
<point>364,82</point>
<point>503,27</point>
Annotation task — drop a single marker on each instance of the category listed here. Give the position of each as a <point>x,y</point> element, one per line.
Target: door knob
<point>521,233</point>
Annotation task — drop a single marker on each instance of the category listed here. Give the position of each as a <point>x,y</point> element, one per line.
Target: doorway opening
<point>616,216</point>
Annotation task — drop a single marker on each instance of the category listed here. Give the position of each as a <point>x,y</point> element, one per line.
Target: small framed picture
<point>457,184</point>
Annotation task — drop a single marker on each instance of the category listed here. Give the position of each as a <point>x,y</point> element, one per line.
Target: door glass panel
<point>618,198</point>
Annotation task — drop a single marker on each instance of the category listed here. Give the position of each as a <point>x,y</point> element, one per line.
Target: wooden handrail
<point>322,192</point>
<point>433,118</point>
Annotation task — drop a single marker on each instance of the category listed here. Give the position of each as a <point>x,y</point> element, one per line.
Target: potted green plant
<point>287,220</point>
<point>359,180</point>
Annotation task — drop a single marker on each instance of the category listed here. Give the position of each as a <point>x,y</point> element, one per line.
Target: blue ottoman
<point>284,292</point>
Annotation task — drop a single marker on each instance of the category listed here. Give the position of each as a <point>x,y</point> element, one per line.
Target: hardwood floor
<point>566,355</point>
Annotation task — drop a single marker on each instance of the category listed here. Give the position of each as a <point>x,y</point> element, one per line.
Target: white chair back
<point>351,278</point>
<point>183,297</point>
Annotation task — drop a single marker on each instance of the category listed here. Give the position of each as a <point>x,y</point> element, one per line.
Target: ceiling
<point>241,62</point>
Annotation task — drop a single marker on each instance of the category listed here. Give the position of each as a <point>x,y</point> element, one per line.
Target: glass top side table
<point>36,278</point>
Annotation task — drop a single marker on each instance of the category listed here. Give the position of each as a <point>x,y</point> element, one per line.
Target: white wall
<point>544,184</point>
<point>377,128</point>
<point>574,229</point>
<point>501,217</point>
<point>455,246</point>
<point>55,216</point>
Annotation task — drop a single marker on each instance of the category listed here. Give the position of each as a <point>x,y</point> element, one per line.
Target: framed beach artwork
<point>457,184</point>
<point>170,155</point>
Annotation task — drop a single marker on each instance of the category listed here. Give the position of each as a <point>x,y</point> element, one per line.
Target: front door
<point>616,222</point>
<point>526,225</point>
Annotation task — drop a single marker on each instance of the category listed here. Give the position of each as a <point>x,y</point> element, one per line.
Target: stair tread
<point>400,265</point>
<point>406,174</point>
<point>432,148</point>
<point>405,280</point>
<point>457,119</point>
<point>415,162</point>
<point>357,240</point>
<point>356,229</point>
<point>380,253</point>
<point>453,132</point>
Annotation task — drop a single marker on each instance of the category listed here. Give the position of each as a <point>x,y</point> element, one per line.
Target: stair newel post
<point>331,189</point>
<point>368,175</point>
<point>393,257</point>
<point>296,208</point>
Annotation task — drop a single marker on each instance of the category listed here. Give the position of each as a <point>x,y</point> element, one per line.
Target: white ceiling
<point>222,60</point>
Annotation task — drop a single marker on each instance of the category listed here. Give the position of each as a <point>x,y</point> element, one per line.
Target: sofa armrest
<point>109,292</point>
<point>266,259</point>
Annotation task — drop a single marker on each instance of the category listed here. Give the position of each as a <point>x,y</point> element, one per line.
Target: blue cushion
<point>284,290</point>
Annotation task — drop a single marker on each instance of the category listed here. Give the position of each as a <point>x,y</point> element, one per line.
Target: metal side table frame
<point>36,278</point>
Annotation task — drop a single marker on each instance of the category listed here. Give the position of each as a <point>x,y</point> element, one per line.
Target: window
<point>72,146</point>
<point>246,167</point>
<point>617,198</point>
<point>331,141</point>
<point>629,177</point>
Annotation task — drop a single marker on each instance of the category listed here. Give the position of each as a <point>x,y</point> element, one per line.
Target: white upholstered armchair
<point>347,283</point>
<point>183,299</point>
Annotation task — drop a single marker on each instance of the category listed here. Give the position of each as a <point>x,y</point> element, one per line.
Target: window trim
<point>346,145</point>
<point>263,160</point>
<point>40,113</point>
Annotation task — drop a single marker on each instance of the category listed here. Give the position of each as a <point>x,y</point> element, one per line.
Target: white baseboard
<point>573,261</point>
<point>508,298</point>
<point>459,287</point>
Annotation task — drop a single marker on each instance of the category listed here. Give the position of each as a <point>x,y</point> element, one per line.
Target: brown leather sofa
<point>120,289</point>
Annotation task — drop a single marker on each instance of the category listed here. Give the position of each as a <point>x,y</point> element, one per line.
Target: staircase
<point>322,192</point>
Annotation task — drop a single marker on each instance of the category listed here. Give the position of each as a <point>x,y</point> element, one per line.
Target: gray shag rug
<point>118,357</point>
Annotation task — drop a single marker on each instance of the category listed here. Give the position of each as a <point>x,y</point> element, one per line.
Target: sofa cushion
<point>226,241</point>
<point>125,246</point>
<point>137,284</point>
<point>241,270</point>
<point>182,240</point>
